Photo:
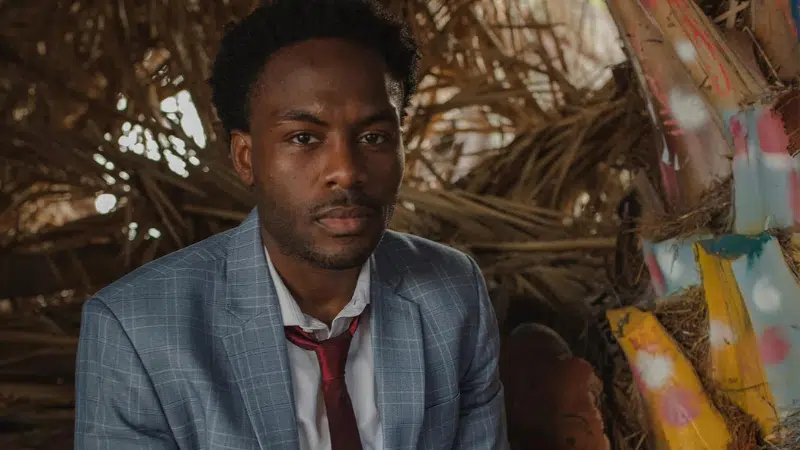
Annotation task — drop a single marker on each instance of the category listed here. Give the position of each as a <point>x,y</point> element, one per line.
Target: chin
<point>344,252</point>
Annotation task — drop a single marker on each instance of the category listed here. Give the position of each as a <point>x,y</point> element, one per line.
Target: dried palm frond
<point>520,144</point>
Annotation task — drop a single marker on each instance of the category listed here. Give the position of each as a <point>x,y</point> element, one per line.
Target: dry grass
<point>519,145</point>
<point>712,215</point>
<point>486,166</point>
<point>791,439</point>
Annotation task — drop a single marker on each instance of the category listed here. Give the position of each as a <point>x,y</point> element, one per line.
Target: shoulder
<point>414,254</point>
<point>448,288</point>
<point>171,274</point>
<point>432,273</point>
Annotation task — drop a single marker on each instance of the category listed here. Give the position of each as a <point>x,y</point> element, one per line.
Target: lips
<point>346,221</point>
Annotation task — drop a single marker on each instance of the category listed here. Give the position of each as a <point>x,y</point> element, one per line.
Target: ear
<point>242,156</point>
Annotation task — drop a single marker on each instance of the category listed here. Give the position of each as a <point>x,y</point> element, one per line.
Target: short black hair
<point>248,44</point>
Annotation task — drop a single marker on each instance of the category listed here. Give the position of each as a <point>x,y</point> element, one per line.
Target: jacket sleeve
<point>116,406</point>
<point>482,421</point>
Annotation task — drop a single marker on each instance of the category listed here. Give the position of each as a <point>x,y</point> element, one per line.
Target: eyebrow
<point>299,115</point>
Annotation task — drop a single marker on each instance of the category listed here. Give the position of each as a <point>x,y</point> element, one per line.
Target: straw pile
<point>520,145</point>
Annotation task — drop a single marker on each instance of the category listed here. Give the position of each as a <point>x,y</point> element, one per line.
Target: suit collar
<point>257,349</point>
<point>250,291</point>
<point>389,261</point>
<point>397,342</point>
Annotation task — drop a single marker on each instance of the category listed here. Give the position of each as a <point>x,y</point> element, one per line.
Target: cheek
<point>282,205</point>
<point>283,190</point>
<point>389,170</point>
<point>277,188</point>
<point>281,175</point>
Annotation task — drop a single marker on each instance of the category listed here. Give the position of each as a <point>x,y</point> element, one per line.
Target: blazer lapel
<point>398,353</point>
<point>257,350</point>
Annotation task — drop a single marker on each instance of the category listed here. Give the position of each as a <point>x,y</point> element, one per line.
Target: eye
<point>303,139</point>
<point>373,138</point>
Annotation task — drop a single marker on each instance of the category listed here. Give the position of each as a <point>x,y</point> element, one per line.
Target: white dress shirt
<point>312,420</point>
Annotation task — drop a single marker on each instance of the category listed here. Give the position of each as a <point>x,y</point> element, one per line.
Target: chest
<point>250,389</point>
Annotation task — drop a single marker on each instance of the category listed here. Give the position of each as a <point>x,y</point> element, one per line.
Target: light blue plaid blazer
<point>189,352</point>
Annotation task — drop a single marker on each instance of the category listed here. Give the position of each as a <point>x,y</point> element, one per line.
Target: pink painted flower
<point>774,346</point>
<point>739,137</point>
<point>679,406</point>
<point>736,127</point>
<point>656,276</point>
<point>772,133</point>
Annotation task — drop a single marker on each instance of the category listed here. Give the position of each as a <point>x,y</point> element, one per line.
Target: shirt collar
<point>293,316</point>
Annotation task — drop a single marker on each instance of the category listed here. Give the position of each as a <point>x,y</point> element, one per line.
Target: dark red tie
<point>332,356</point>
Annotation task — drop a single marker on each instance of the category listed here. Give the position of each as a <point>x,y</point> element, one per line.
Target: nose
<point>344,168</point>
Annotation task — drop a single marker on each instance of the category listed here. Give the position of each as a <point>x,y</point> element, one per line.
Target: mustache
<point>348,198</point>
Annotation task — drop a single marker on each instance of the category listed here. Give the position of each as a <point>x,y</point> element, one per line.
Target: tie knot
<point>331,353</point>
<point>332,356</point>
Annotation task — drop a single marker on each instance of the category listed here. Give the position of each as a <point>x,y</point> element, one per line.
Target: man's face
<point>324,152</point>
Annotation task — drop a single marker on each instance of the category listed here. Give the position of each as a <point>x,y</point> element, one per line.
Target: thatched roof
<point>520,145</point>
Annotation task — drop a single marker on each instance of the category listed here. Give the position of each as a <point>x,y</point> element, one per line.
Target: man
<point>309,326</point>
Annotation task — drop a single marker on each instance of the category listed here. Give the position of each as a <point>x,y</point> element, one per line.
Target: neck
<point>320,293</point>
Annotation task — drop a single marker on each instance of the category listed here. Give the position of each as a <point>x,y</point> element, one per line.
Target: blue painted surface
<point>772,295</point>
<point>748,207</point>
<point>761,183</point>
<point>678,264</point>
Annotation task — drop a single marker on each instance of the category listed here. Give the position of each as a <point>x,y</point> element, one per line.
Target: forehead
<point>323,74</point>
